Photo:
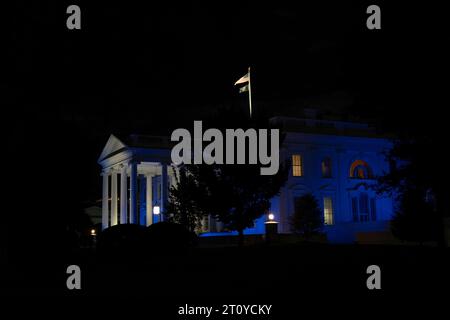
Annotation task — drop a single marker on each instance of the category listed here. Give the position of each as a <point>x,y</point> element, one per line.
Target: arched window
<point>360,170</point>
<point>326,167</point>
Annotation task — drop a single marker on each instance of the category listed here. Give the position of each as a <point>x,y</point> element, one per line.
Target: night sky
<point>135,68</point>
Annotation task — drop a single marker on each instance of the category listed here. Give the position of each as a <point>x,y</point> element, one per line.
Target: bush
<point>169,237</point>
<point>307,218</point>
<point>132,241</point>
<point>415,219</point>
<point>122,239</point>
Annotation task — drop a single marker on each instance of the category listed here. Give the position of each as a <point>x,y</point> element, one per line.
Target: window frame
<point>358,164</point>
<point>298,166</point>
<point>326,164</point>
<point>330,214</point>
<point>363,210</point>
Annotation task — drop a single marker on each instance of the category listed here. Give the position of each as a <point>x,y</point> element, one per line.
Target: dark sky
<point>161,58</point>
<point>142,68</point>
<point>187,56</point>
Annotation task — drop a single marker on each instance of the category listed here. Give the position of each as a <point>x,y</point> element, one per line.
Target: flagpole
<point>249,92</point>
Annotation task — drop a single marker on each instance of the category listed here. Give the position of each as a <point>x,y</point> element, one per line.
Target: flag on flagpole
<point>243,89</point>
<point>246,88</point>
<point>243,79</point>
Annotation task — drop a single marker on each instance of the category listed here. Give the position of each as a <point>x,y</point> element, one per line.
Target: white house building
<point>136,175</point>
<point>338,163</point>
<point>335,161</point>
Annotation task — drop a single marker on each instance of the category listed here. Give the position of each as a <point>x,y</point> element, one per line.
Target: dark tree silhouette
<point>307,218</point>
<point>415,219</point>
<point>415,173</point>
<point>187,198</point>
<point>235,195</point>
<point>239,194</point>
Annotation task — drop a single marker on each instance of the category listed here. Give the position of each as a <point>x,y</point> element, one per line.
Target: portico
<point>136,175</point>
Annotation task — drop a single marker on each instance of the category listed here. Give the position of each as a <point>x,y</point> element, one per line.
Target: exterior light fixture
<point>271,228</point>
<point>156,210</point>
<point>93,232</point>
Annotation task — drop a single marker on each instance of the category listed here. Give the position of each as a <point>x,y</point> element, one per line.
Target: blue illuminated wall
<point>354,163</point>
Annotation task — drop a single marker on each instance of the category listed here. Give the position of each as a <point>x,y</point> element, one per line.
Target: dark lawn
<point>271,272</point>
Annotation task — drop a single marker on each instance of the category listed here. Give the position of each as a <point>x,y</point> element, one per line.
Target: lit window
<point>360,170</point>
<point>326,167</point>
<point>328,210</point>
<point>297,166</point>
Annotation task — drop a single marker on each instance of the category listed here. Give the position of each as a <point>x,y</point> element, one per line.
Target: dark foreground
<point>283,275</point>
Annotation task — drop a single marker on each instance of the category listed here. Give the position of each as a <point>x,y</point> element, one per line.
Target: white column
<point>113,198</point>
<point>133,192</point>
<point>105,194</point>
<point>149,199</point>
<point>123,194</point>
<point>164,190</point>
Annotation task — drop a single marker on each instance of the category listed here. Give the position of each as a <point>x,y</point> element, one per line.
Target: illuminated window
<point>326,167</point>
<point>328,210</point>
<point>360,170</point>
<point>297,165</point>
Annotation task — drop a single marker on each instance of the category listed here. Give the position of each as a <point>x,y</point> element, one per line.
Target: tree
<point>186,198</point>
<point>239,194</point>
<point>414,174</point>
<point>234,194</point>
<point>416,219</point>
<point>307,218</point>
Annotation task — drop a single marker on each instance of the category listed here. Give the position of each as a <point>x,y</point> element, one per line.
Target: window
<point>326,167</point>
<point>373,210</point>
<point>328,210</point>
<point>363,208</point>
<point>360,170</point>
<point>355,209</point>
<point>297,165</point>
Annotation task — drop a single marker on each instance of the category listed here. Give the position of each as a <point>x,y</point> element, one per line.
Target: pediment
<point>113,146</point>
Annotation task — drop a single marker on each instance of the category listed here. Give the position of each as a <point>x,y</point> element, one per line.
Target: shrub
<point>307,218</point>
<point>122,239</point>
<point>168,236</point>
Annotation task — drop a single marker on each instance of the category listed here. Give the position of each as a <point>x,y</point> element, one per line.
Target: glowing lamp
<point>93,232</point>
<point>271,216</point>
<point>156,210</point>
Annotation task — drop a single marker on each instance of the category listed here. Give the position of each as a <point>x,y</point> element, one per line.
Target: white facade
<point>136,178</point>
<point>340,171</point>
<point>327,160</point>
